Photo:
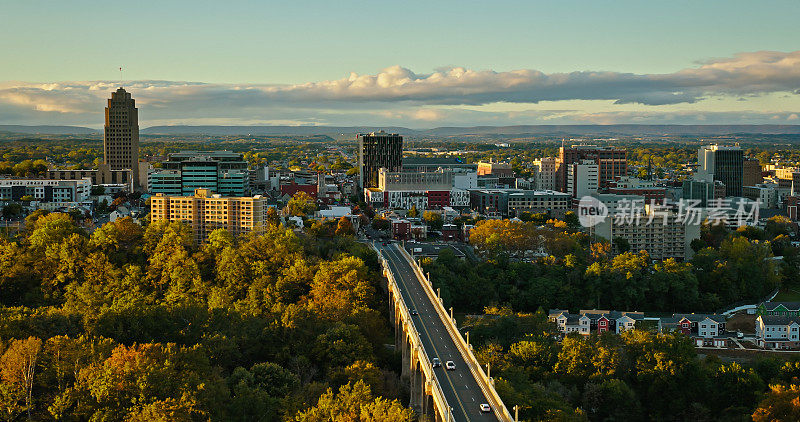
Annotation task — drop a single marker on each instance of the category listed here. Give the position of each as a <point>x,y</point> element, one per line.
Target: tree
<point>12,210</point>
<point>341,288</point>
<point>355,402</point>
<point>17,370</point>
<point>300,205</point>
<point>273,217</point>
<point>342,345</point>
<point>344,227</point>
<point>51,229</point>
<point>622,244</point>
<point>380,223</point>
<point>149,380</point>
<point>611,400</point>
<point>782,403</point>
<point>98,190</point>
<point>505,237</point>
<point>433,219</point>
<point>778,225</point>
<point>413,213</point>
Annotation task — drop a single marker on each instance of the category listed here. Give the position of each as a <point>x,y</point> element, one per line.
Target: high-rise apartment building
<point>544,173</point>
<point>121,134</point>
<point>660,232</point>
<point>378,150</point>
<point>611,162</point>
<point>725,164</point>
<point>206,212</point>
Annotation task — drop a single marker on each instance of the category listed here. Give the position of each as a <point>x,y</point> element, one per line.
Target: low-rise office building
<point>102,175</point>
<point>511,202</point>
<point>46,190</point>
<point>223,172</point>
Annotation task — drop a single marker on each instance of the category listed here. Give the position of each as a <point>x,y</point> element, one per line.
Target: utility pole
<point>516,413</point>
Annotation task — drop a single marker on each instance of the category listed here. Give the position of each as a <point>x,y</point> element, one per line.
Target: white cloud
<point>397,93</point>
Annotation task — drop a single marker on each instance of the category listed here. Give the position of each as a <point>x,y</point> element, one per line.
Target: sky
<point>413,63</point>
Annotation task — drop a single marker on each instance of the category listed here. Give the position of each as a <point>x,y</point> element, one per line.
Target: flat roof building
<point>378,150</point>
<point>724,163</point>
<point>223,172</point>
<point>205,212</point>
<point>46,190</point>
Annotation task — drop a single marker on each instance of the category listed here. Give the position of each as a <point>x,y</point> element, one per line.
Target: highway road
<point>460,388</point>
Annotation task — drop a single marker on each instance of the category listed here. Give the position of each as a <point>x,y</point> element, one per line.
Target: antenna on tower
<point>120,77</point>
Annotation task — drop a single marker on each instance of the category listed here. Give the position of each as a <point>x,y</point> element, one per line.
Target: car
<point>485,408</point>
<point>414,312</point>
<point>739,335</point>
<point>450,365</point>
<point>385,243</point>
<point>436,363</point>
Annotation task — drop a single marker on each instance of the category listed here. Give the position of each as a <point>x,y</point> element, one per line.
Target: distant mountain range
<point>483,130</point>
<point>559,130</point>
<point>48,130</point>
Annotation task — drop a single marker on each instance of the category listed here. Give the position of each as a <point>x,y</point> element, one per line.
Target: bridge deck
<point>459,386</point>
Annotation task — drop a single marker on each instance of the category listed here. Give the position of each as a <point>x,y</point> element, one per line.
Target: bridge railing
<point>439,400</point>
<point>486,383</point>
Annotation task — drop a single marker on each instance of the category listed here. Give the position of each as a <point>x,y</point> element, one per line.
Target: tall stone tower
<point>121,135</point>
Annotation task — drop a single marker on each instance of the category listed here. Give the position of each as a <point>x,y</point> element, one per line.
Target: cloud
<point>399,93</point>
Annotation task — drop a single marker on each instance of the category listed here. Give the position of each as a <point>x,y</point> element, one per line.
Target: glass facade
<point>221,172</point>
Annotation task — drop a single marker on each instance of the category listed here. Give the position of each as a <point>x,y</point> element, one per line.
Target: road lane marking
<point>433,344</point>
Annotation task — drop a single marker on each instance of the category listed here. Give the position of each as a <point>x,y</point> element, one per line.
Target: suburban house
<point>587,321</point>
<point>570,323</point>
<point>705,330</point>
<point>778,332</point>
<point>788,309</point>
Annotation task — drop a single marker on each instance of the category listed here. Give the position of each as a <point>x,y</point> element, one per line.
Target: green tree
<point>355,402</point>
<point>380,223</point>
<point>433,219</point>
<point>300,205</point>
<point>12,210</point>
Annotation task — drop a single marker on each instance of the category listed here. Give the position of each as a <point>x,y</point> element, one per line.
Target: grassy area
<point>787,295</point>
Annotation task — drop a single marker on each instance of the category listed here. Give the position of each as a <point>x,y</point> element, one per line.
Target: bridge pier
<point>417,392</point>
<point>406,351</point>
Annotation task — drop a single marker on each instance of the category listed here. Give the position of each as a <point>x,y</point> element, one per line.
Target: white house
<point>778,332</point>
<point>625,323</point>
<point>571,323</point>
<point>708,328</point>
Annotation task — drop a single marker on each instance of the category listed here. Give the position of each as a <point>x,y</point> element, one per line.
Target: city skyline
<point>420,66</point>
